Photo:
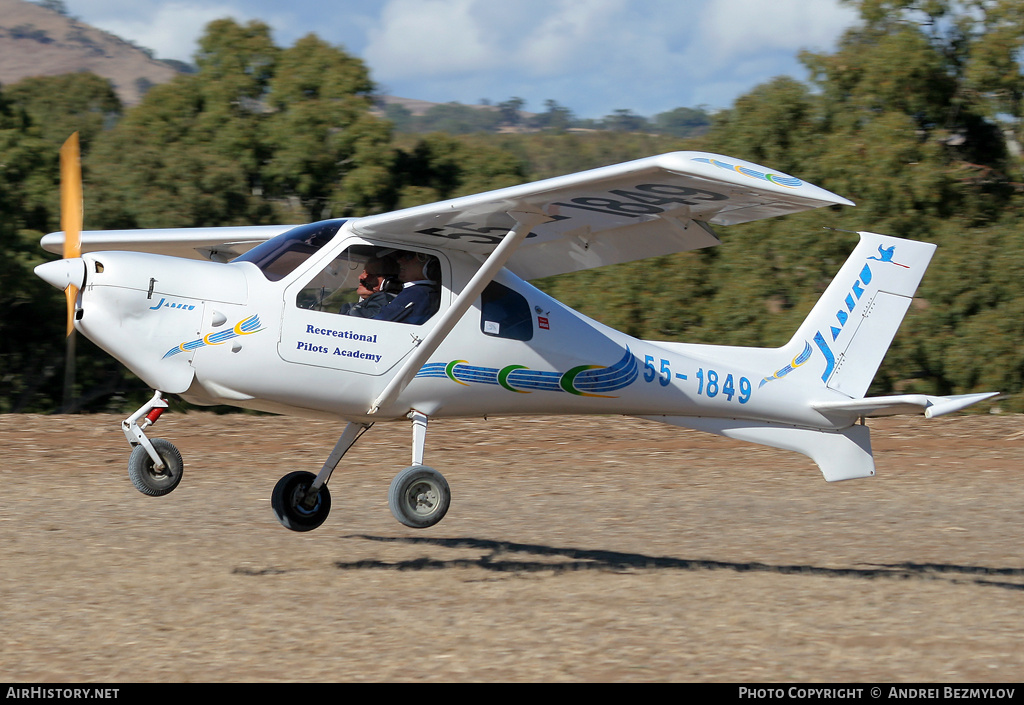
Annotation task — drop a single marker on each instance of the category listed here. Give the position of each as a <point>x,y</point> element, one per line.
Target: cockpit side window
<point>378,283</point>
<point>349,279</point>
<point>279,256</point>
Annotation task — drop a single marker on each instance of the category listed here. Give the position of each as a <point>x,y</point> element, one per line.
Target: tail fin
<point>838,347</point>
<point>849,330</point>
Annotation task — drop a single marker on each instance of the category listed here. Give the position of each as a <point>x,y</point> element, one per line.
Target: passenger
<point>421,293</point>
<point>379,284</point>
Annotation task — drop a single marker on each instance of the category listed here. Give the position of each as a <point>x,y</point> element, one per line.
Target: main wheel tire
<point>288,505</point>
<point>146,478</point>
<point>419,496</point>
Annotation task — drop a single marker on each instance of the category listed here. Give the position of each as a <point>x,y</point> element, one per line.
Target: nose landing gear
<point>155,466</point>
<point>150,479</point>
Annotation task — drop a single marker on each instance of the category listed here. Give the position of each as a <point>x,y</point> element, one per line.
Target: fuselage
<point>245,334</point>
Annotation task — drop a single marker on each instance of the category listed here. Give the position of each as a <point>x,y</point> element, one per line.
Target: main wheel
<point>419,496</point>
<point>146,478</point>
<point>289,503</point>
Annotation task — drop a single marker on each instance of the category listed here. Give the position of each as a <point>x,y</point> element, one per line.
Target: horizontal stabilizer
<point>930,406</point>
<point>840,455</point>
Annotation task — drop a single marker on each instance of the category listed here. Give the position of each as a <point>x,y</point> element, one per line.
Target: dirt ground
<point>580,549</point>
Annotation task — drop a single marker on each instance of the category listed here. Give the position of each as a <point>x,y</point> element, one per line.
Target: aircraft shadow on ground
<point>506,557</point>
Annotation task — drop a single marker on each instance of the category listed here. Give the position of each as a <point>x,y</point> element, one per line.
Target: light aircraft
<point>248,317</point>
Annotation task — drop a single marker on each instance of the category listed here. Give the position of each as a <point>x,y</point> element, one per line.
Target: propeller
<point>71,214</point>
<point>69,273</point>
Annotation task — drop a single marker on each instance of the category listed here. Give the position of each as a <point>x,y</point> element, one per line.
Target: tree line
<point>509,116</point>
<point>917,117</point>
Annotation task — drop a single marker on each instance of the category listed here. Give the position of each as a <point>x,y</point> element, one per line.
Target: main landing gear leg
<point>301,500</point>
<point>155,466</point>
<point>419,496</point>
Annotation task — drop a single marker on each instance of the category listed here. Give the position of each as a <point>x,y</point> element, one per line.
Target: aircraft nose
<point>63,272</point>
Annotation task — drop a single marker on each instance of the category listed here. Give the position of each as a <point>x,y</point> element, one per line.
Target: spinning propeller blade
<point>71,213</point>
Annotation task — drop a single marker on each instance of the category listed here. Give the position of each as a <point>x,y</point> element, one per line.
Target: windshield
<point>279,256</point>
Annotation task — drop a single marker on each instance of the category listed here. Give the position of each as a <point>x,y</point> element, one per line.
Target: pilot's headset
<point>428,265</point>
<point>432,269</point>
<point>389,283</point>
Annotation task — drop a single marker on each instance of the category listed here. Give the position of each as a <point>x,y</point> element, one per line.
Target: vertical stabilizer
<point>847,333</point>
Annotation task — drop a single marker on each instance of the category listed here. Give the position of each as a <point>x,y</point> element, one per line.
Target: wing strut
<point>525,221</point>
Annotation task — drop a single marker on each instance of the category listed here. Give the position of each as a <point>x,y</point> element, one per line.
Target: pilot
<point>421,290</point>
<point>378,285</point>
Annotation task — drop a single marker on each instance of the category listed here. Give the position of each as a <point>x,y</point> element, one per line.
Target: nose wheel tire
<point>144,475</point>
<point>419,496</point>
<point>290,505</point>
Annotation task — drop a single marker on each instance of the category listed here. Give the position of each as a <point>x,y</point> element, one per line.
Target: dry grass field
<point>579,549</point>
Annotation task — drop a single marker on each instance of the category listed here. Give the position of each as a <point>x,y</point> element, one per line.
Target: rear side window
<point>504,313</point>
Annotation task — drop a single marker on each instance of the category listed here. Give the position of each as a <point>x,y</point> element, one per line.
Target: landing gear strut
<point>418,497</point>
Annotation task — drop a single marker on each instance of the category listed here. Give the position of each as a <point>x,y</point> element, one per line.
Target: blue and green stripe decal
<point>584,380</point>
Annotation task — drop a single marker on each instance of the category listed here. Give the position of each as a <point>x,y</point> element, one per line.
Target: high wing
<point>648,207</point>
<point>644,208</point>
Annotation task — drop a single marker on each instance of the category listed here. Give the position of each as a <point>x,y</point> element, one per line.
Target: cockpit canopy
<point>279,256</point>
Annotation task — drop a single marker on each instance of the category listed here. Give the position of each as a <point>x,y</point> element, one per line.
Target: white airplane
<point>257,317</point>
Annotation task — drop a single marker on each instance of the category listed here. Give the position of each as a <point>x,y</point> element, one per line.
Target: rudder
<point>850,328</point>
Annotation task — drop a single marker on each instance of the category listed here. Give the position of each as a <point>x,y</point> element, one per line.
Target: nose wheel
<point>147,476</point>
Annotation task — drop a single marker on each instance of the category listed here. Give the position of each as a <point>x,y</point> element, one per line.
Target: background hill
<point>43,40</point>
<point>36,41</point>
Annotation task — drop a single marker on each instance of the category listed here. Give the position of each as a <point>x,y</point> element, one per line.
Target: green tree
<point>624,120</point>
<point>160,167</point>
<point>190,154</point>
<point>440,166</point>
<point>896,120</point>
<point>56,106</point>
<point>555,117</point>
<point>28,341</point>
<point>682,122</point>
<point>325,147</point>
<point>511,111</point>
<point>257,135</point>
<point>457,119</point>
